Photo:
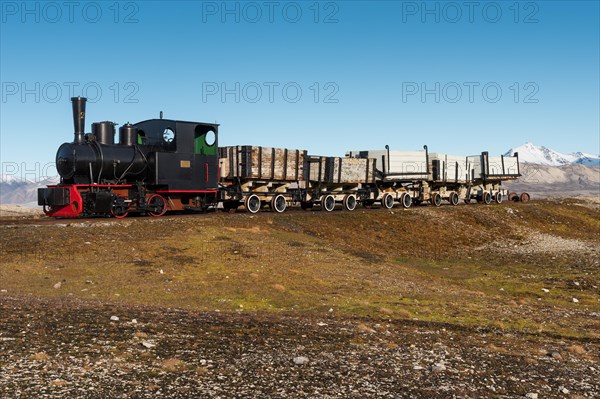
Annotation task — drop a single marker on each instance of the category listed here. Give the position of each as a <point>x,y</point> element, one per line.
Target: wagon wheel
<point>328,203</point>
<point>453,198</point>
<point>387,201</point>
<point>525,197</point>
<point>278,203</point>
<point>406,200</point>
<point>498,197</point>
<point>513,196</point>
<point>253,203</point>
<point>436,199</point>
<point>486,198</point>
<point>350,202</point>
<point>157,205</point>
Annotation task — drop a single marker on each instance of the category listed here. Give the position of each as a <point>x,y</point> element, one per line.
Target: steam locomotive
<point>162,165</point>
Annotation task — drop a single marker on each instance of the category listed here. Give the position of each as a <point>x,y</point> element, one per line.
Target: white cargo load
<point>449,168</point>
<point>397,165</point>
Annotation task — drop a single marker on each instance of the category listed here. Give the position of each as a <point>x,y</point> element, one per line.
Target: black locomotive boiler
<point>157,164</point>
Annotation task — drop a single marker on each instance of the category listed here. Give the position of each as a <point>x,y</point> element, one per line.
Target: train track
<point>8,221</point>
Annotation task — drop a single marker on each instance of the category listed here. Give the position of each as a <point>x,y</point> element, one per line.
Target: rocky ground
<point>468,301</point>
<point>19,211</point>
<point>80,349</point>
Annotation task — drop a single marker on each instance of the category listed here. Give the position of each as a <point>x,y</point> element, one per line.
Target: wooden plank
<point>337,170</point>
<point>267,163</point>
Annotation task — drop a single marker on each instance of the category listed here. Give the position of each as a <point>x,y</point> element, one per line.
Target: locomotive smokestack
<point>79,117</point>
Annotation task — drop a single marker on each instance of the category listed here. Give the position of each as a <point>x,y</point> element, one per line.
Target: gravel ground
<point>73,348</point>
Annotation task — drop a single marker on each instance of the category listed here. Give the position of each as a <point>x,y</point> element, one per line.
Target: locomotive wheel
<point>524,197</point>
<point>119,208</point>
<point>278,203</point>
<point>513,196</point>
<point>467,201</point>
<point>417,202</point>
<point>253,203</point>
<point>387,201</point>
<point>498,197</point>
<point>406,200</point>
<point>307,206</point>
<point>486,198</point>
<point>119,211</point>
<point>436,199</point>
<point>328,203</point>
<point>453,198</point>
<point>157,206</point>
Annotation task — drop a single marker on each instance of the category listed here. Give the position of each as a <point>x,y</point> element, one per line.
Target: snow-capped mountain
<point>541,155</point>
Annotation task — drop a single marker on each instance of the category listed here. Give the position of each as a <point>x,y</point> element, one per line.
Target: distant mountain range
<point>541,155</point>
<point>545,172</point>
<point>16,190</point>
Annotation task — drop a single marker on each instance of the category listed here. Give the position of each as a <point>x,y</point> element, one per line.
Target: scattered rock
<point>278,287</point>
<point>39,356</point>
<point>556,355</point>
<point>148,344</point>
<point>364,328</point>
<point>172,365</point>
<point>58,285</point>
<point>575,300</point>
<point>546,290</point>
<point>532,395</point>
<point>564,390</point>
<point>301,360</point>
<point>578,349</point>
<point>114,318</point>
<point>438,367</point>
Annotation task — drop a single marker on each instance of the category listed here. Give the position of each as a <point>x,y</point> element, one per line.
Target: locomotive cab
<point>184,154</point>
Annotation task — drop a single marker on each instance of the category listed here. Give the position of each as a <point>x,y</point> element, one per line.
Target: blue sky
<point>322,76</point>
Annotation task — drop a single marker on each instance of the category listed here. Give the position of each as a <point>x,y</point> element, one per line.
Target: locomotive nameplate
<point>185,164</point>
